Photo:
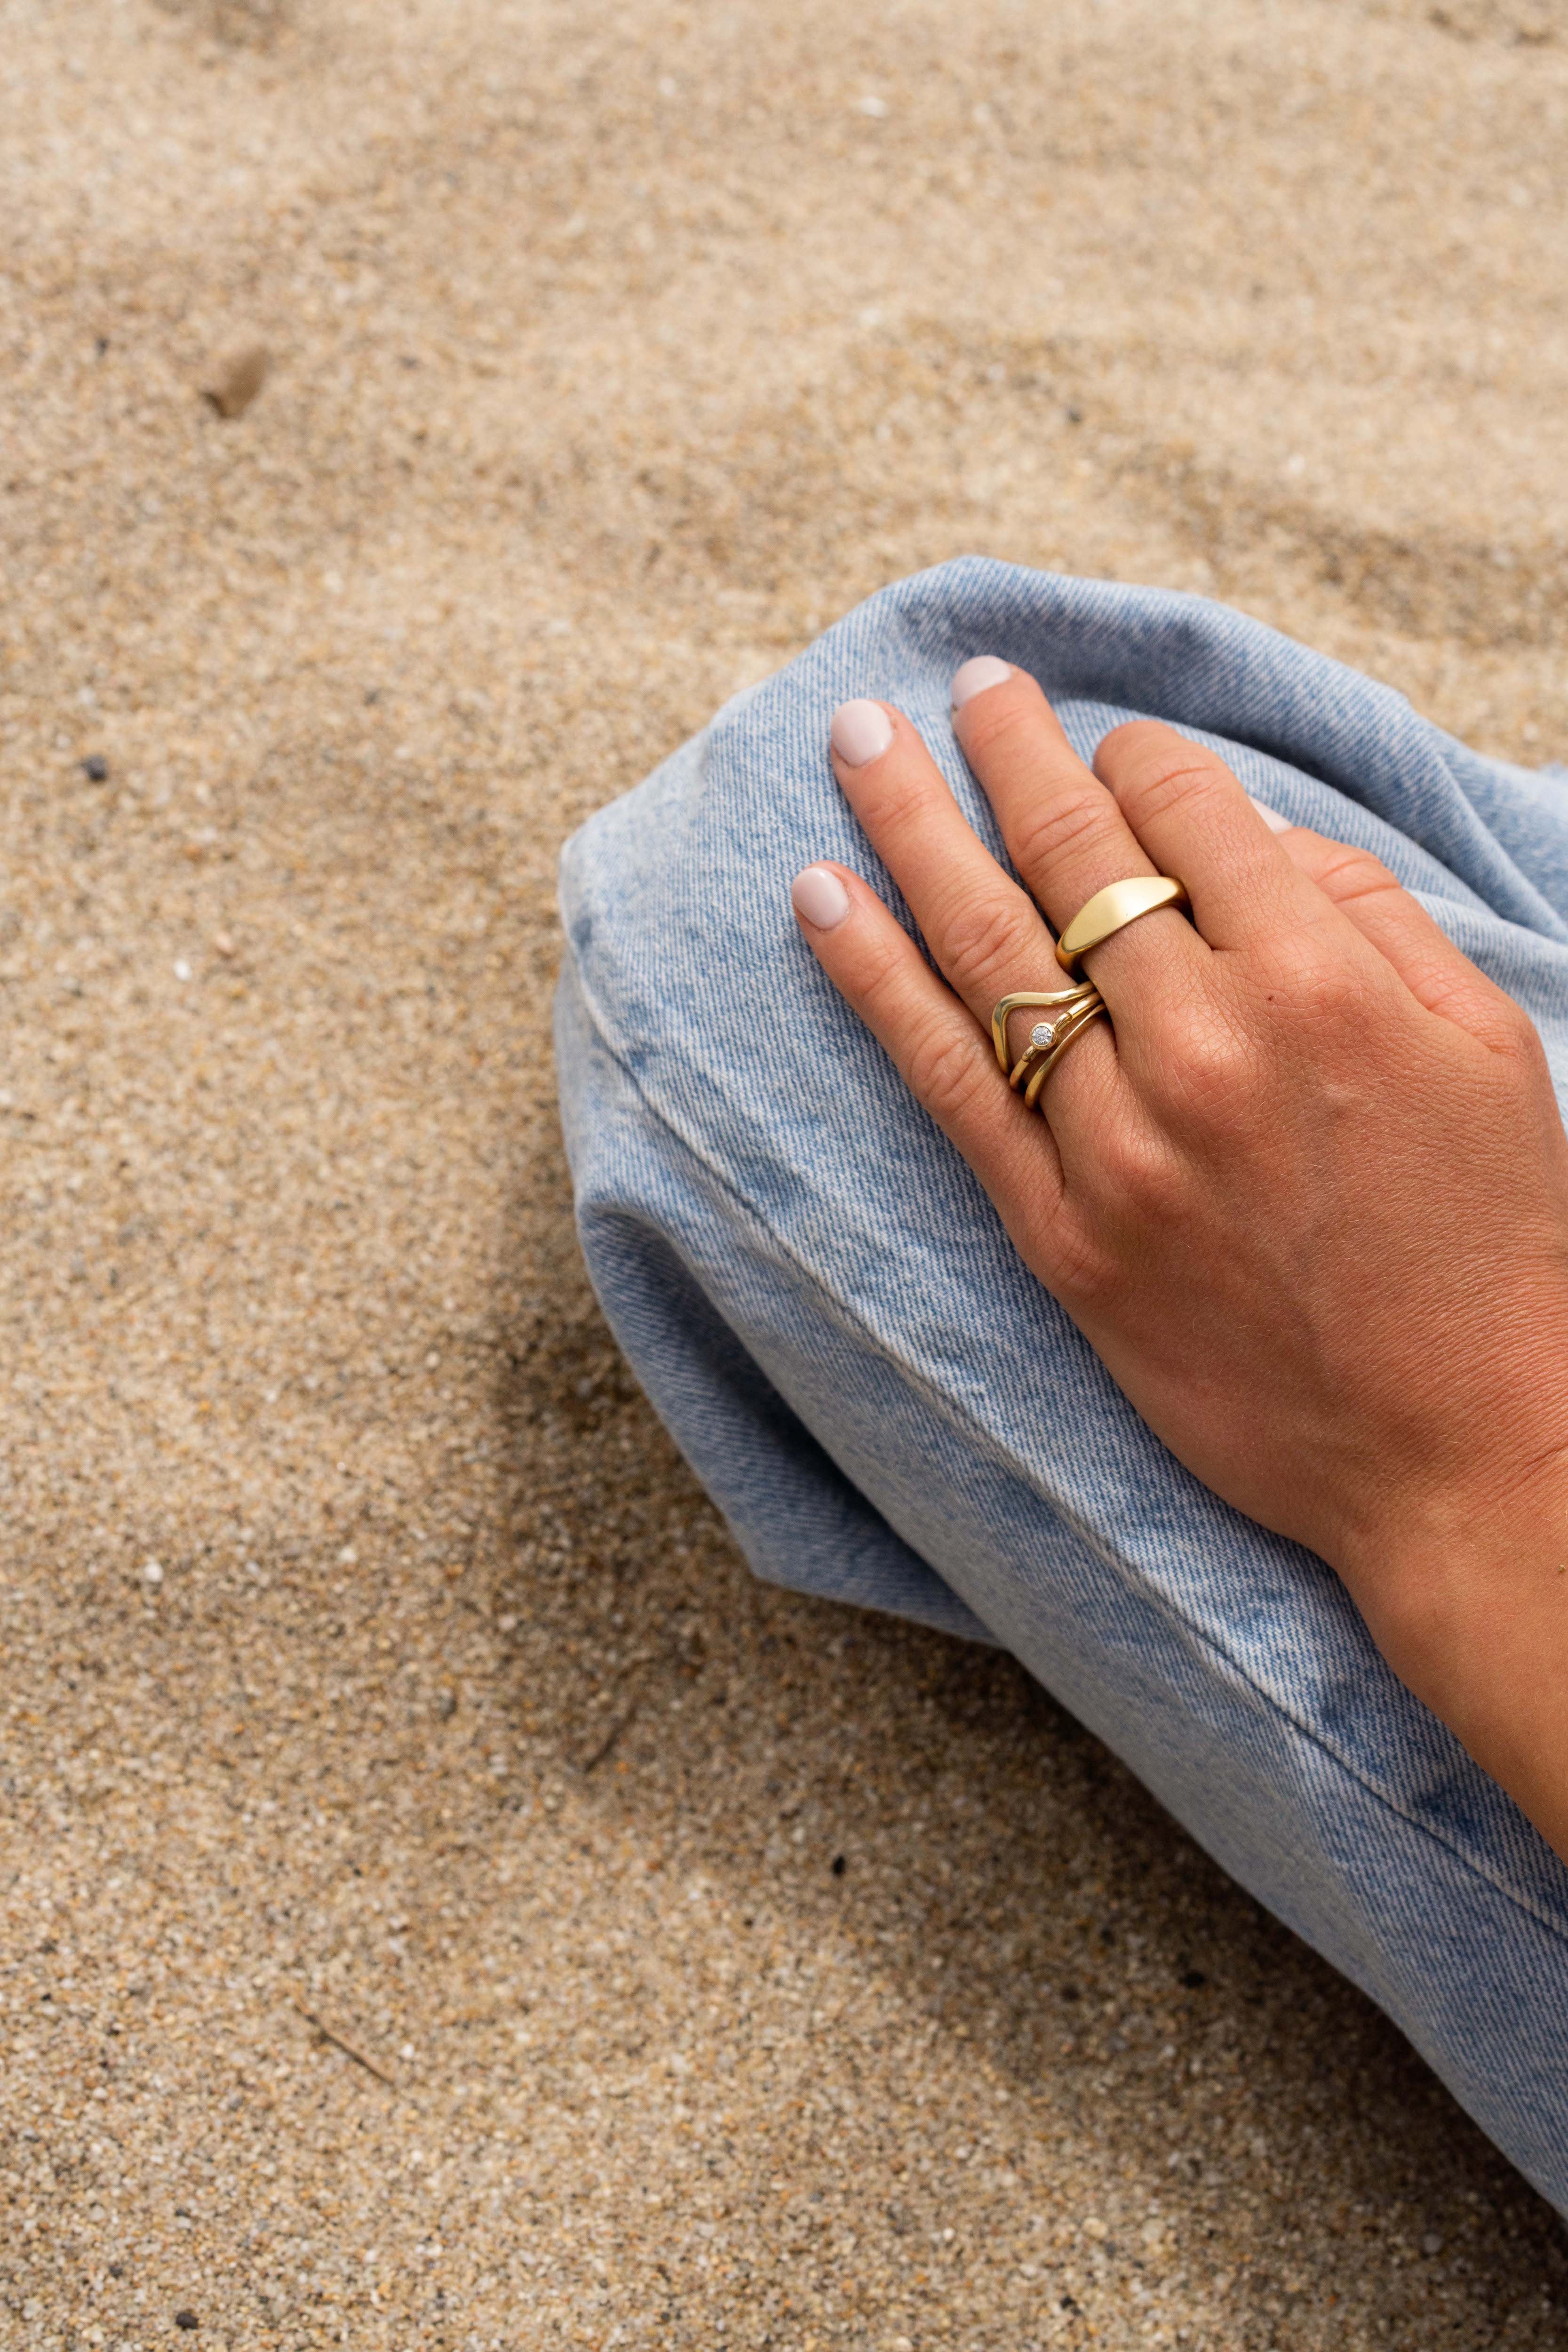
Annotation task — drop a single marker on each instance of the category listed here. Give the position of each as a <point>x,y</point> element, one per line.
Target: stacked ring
<point>1052,1002</point>
<point>1069,1011</point>
<point>1048,1041</point>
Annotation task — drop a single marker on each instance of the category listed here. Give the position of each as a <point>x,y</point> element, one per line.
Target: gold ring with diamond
<point>1051,1002</point>
<point>1035,1066</point>
<point>1066,1012</point>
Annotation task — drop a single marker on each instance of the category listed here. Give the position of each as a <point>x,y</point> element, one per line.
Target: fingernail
<point>1271,817</point>
<point>975,675</point>
<point>860,731</point>
<point>820,899</point>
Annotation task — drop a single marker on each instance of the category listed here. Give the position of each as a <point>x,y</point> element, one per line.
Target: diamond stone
<point>1042,1034</point>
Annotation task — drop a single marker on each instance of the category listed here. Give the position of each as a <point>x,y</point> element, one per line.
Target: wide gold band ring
<point>1111,909</point>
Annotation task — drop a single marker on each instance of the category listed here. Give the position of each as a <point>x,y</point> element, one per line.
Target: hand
<point>1308,1196</point>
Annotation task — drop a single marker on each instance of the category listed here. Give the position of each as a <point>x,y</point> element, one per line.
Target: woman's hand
<point>1308,1201</point>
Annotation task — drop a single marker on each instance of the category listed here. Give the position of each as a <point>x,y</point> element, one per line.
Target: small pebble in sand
<point>1432,2243</point>
<point>182,968</point>
<point>222,943</point>
<point>95,768</point>
<point>236,378</point>
<point>186,2319</point>
<point>153,1573</point>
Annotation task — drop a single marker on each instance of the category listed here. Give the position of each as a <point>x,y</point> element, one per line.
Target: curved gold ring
<point>1046,1035</point>
<point>1066,1035</point>
<point>1111,909</point>
<point>1058,1000</point>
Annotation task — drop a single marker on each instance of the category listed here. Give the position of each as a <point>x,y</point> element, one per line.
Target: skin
<point>1309,1201</point>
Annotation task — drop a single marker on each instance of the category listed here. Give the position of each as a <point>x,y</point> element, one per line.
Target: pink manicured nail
<point>974,678</point>
<point>860,731</point>
<point>1271,817</point>
<point>820,899</point>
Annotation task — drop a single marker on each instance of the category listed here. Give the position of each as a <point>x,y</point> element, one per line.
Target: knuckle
<point>1314,979</point>
<point>1121,742</point>
<point>1331,995</point>
<point>1163,779</point>
<point>1058,826</point>
<point>1086,1273</point>
<point>1517,1035</point>
<point>1215,1072</point>
<point>1346,874</point>
<point>898,801</point>
<point>1144,1175</point>
<point>982,937</point>
<point>988,731</point>
<point>1462,995</point>
<point>881,980</point>
<point>943,1070</point>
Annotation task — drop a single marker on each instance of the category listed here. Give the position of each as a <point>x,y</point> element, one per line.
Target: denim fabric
<point>888,1409</point>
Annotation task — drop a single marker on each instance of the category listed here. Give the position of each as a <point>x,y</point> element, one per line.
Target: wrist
<point>1466,1596</point>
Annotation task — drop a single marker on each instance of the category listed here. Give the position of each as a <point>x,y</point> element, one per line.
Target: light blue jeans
<point>822,1307</point>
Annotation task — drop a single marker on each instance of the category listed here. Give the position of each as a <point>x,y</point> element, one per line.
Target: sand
<point>443,1901</point>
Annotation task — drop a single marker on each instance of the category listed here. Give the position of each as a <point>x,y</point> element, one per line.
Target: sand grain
<point>615,350</point>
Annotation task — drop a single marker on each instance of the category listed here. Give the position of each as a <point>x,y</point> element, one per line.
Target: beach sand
<point>444,1901</point>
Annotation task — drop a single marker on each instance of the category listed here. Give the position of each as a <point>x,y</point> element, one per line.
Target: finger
<point>1194,818</point>
<point>1065,833</point>
<point>986,933</point>
<point>937,1047</point>
<point>1246,879</point>
<point>1439,974</point>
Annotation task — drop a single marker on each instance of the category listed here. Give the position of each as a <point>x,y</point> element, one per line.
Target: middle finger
<point>1065,833</point>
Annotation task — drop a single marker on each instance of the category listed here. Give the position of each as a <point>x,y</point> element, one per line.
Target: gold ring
<point>1111,909</point>
<point>1070,1009</point>
<point>1034,1069</point>
<point>1055,1000</point>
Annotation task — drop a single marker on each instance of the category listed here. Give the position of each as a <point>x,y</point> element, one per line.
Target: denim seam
<point>950,1410</point>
